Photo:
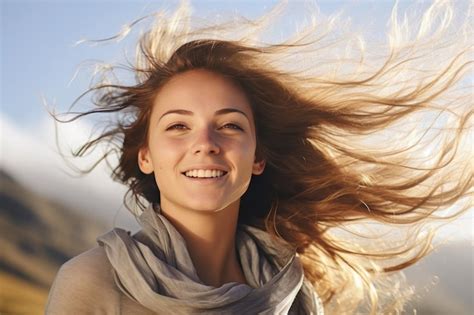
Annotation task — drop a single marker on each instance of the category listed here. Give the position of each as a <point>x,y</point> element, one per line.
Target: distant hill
<point>37,236</point>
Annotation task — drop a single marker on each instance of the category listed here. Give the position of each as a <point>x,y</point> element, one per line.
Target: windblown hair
<point>350,134</point>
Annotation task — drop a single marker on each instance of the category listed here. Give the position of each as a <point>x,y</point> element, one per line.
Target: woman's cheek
<point>172,143</point>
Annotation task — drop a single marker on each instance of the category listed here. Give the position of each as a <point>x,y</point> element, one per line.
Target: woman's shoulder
<point>92,265</point>
<point>84,281</point>
<point>92,258</point>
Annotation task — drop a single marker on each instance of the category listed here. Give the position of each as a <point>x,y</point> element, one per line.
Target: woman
<point>247,160</point>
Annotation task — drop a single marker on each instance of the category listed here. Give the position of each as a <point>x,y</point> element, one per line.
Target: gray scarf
<point>161,276</point>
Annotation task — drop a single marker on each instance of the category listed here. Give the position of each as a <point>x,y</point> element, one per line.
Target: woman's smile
<point>207,180</point>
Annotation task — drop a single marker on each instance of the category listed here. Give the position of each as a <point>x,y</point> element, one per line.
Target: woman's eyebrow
<point>222,111</point>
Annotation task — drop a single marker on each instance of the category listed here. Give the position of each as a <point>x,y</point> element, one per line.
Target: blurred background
<point>49,214</point>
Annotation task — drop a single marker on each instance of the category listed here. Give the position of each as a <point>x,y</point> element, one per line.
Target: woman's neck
<point>210,239</point>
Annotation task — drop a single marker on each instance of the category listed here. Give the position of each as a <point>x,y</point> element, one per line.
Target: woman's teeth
<point>204,173</point>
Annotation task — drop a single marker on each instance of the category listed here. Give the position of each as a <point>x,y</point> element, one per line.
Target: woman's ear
<point>258,167</point>
<point>144,161</point>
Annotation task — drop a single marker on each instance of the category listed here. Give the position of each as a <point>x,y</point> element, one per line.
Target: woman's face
<point>201,142</point>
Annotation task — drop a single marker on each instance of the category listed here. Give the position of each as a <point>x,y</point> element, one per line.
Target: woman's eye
<point>177,127</point>
<point>184,127</point>
<point>232,126</point>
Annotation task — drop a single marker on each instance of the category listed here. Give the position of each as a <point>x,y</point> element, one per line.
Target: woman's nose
<point>206,143</point>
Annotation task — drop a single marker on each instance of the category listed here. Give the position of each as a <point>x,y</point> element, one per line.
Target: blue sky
<point>38,55</point>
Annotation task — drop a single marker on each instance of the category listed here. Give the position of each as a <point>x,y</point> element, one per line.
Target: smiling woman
<point>212,131</point>
<point>247,160</point>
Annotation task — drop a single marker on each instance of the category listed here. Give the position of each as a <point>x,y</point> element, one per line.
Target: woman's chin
<point>207,207</point>
<point>211,205</point>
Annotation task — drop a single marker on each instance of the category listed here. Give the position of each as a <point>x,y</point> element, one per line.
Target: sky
<point>39,58</point>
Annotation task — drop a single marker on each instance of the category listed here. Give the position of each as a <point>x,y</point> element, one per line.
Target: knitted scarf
<point>154,269</point>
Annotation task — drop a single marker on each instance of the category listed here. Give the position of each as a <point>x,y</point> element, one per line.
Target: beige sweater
<point>85,285</point>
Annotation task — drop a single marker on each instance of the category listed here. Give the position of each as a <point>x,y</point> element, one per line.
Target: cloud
<point>29,153</point>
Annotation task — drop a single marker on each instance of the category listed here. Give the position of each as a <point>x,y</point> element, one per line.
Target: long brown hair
<point>346,138</point>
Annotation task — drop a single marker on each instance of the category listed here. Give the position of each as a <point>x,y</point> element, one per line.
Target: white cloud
<point>30,155</point>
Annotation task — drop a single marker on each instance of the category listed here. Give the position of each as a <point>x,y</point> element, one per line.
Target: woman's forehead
<point>201,90</point>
